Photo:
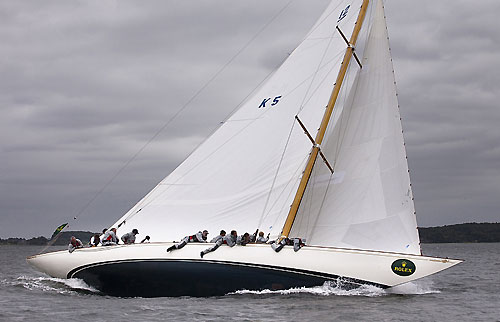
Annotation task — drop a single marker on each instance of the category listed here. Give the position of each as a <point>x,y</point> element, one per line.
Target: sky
<point>100,100</point>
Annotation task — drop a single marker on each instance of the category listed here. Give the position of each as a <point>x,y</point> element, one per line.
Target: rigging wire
<point>327,63</point>
<point>315,73</point>
<point>301,106</point>
<point>141,205</point>
<point>312,77</point>
<point>262,216</point>
<point>290,192</point>
<point>100,191</point>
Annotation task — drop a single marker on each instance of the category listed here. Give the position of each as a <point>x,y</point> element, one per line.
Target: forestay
<point>367,203</point>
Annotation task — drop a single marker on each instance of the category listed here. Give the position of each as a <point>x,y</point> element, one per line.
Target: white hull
<point>311,264</point>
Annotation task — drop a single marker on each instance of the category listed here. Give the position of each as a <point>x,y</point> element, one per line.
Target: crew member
<point>110,238</point>
<point>229,240</point>
<point>102,235</point>
<point>129,238</point>
<point>297,244</point>
<point>95,240</point>
<point>74,243</point>
<point>243,239</point>
<point>145,240</point>
<point>220,236</point>
<point>199,237</point>
<point>261,239</point>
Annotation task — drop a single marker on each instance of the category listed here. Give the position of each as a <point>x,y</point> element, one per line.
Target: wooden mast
<point>324,123</point>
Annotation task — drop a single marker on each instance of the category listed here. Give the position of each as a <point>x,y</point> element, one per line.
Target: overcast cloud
<point>85,84</point>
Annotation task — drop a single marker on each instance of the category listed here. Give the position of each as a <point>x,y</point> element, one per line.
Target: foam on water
<point>338,289</point>
<point>327,289</point>
<point>58,285</point>
<point>75,286</point>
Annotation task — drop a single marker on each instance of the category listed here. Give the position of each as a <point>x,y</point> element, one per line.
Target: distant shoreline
<point>461,233</point>
<point>458,233</point>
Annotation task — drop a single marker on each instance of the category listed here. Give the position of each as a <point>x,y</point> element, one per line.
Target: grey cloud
<point>446,60</point>
<point>85,85</point>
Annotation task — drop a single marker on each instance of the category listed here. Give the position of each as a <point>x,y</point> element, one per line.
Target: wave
<point>77,286</point>
<point>327,289</point>
<point>339,289</point>
<point>57,285</point>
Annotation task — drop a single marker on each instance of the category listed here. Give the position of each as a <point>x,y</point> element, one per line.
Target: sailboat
<point>316,153</point>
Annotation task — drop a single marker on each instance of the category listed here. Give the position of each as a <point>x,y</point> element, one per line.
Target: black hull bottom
<point>157,278</point>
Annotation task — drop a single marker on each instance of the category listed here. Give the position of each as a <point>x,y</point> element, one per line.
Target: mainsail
<point>246,174</point>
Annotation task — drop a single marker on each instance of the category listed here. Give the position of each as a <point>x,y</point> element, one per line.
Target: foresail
<point>367,203</point>
<point>245,175</point>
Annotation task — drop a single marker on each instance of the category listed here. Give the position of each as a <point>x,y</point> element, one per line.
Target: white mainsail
<point>367,203</point>
<point>246,174</point>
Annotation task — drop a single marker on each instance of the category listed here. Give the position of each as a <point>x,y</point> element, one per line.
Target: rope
<point>262,216</point>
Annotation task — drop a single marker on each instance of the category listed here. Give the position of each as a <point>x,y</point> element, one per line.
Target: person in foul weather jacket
<point>218,237</point>
<point>222,239</point>
<point>109,238</point>
<point>199,237</point>
<point>243,240</point>
<point>297,244</point>
<point>129,238</point>
<point>95,240</point>
<point>74,243</point>
<point>231,239</point>
<point>261,239</point>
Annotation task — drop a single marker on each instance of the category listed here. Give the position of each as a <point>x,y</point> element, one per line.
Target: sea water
<point>467,292</point>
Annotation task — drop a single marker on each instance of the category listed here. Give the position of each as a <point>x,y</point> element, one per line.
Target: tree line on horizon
<point>458,233</point>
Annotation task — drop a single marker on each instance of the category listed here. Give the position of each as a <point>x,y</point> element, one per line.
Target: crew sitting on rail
<point>243,239</point>
<point>74,243</point>
<point>129,238</point>
<point>95,240</point>
<point>218,237</point>
<point>199,237</point>
<point>222,239</point>
<point>109,238</point>
<point>297,244</point>
<point>261,239</point>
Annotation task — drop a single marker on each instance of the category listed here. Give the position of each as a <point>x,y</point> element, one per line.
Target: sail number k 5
<point>272,103</point>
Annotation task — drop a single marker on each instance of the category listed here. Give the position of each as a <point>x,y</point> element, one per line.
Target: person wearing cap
<point>129,238</point>
<point>199,237</point>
